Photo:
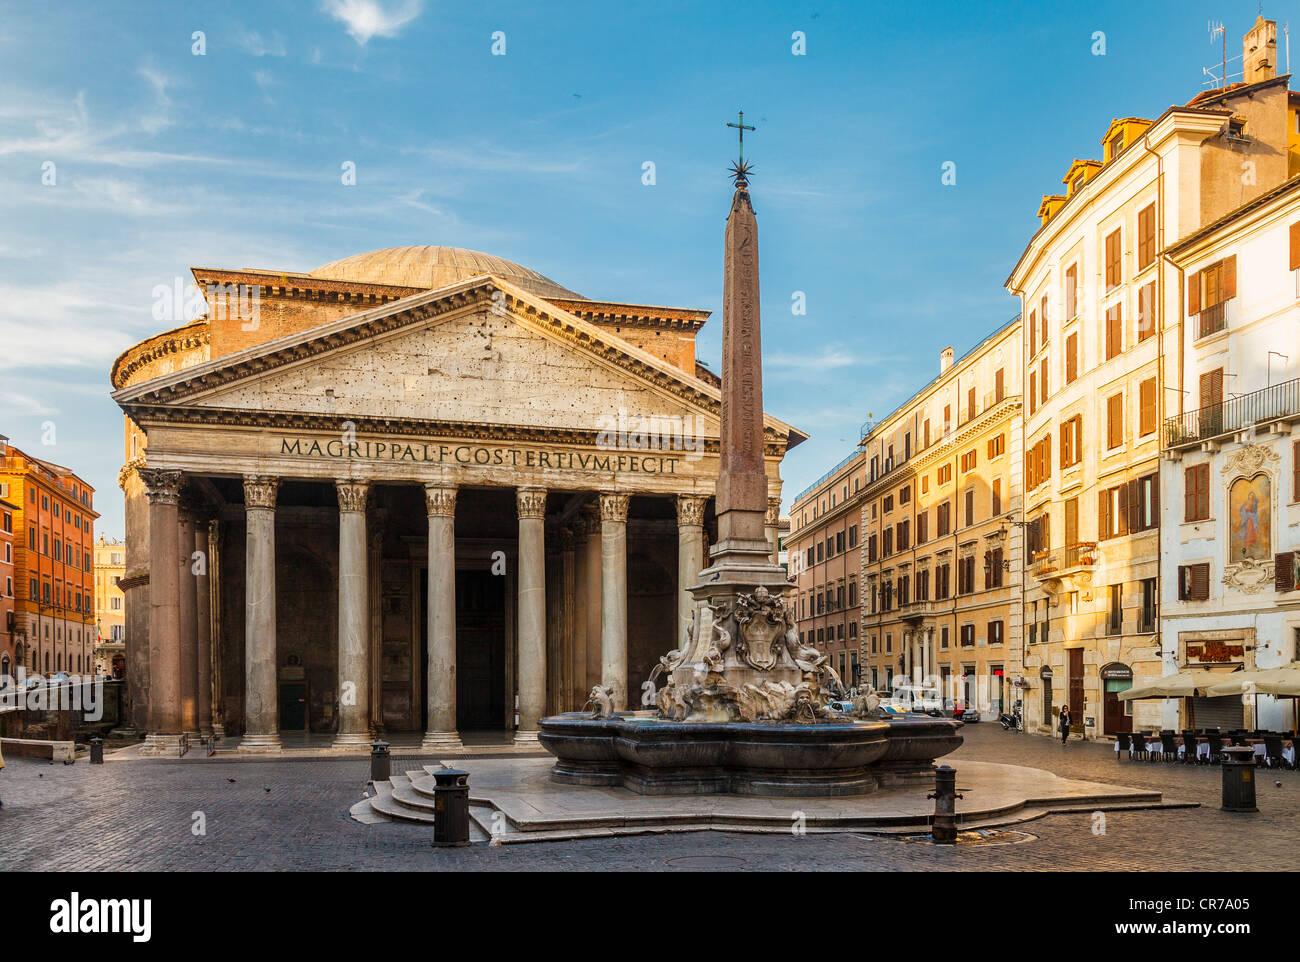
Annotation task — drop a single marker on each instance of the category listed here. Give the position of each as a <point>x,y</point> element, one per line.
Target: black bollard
<point>97,751</point>
<point>945,797</point>
<point>380,762</point>
<point>1238,764</point>
<point>450,808</point>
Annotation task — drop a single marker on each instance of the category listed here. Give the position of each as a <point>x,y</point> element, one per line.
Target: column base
<point>441,740</point>
<point>527,737</point>
<point>261,743</point>
<point>218,731</point>
<point>352,740</point>
<point>194,735</point>
<point>165,746</point>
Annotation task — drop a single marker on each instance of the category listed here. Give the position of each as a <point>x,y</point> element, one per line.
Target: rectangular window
<point>970,404</point>
<point>922,527</point>
<point>1114,260</point>
<point>1196,493</point>
<point>997,446</point>
<point>905,494</point>
<point>1147,407</point>
<point>1146,236</point>
<point>942,521</point>
<point>1033,391</point>
<point>1071,357</point>
<point>997,496</point>
<point>970,507</point>
<point>1148,620</point>
<point>1071,292</point>
<point>996,632</point>
<point>1114,331</point>
<point>1033,333</point>
<point>968,636</point>
<point>1072,441</point>
<point>853,536</point>
<point>1042,321</point>
<point>999,386</point>
<point>1042,381</point>
<point>1114,421</point>
<point>1194,582</point>
<point>1115,616</point>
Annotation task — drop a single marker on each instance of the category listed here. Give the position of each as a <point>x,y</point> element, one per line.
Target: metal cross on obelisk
<point>740,170</point>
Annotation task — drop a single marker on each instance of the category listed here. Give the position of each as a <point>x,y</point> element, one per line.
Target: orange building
<point>7,581</point>
<point>53,570</point>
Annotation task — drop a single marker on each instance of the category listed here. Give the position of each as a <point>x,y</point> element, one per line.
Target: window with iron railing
<point>1212,319</point>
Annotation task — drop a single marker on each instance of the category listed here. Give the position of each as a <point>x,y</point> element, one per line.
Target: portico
<point>443,545</point>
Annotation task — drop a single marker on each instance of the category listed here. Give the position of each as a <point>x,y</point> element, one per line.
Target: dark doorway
<point>293,707</point>
<point>480,650</point>
<point>1074,678</point>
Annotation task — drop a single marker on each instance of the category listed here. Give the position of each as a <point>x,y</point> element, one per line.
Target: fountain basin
<point>653,756</point>
<point>915,741</point>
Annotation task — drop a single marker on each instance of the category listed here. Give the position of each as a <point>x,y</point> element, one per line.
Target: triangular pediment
<point>478,352</point>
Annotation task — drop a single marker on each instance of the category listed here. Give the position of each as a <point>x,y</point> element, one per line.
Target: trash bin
<point>450,808</point>
<point>380,762</point>
<point>1238,779</point>
<point>97,751</point>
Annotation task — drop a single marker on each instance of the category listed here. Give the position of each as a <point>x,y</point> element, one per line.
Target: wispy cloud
<point>159,117</point>
<point>255,44</point>
<point>371,18</point>
<point>827,359</point>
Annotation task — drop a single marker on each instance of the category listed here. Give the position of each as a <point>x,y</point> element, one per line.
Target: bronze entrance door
<point>480,650</point>
<point>1074,678</point>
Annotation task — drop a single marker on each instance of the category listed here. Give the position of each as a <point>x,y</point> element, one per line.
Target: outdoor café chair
<point>1216,746</point>
<point>1273,751</point>
<point>1169,742</point>
<point>1189,747</point>
<point>1139,748</point>
<point>1123,744</point>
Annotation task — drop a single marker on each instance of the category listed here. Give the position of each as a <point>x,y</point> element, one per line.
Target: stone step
<point>388,805</point>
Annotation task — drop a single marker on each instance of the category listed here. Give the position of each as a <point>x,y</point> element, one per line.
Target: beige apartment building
<point>110,608</point>
<point>825,564</point>
<point>941,558</point>
<point>907,554</point>
<point>1101,305</point>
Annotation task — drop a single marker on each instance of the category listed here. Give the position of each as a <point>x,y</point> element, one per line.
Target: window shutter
<point>1194,294</point>
<point>1155,500</point>
<point>1103,514</point>
<point>1200,582</point>
<point>1284,571</point>
<point>1147,404</point>
<point>1295,245</point>
<point>1229,282</point>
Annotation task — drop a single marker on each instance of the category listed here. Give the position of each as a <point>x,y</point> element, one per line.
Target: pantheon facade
<point>419,490</point>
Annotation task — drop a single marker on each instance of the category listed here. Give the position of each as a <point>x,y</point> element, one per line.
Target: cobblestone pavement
<point>292,815</point>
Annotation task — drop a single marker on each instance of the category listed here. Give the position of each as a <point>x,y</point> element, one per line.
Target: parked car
<point>918,698</point>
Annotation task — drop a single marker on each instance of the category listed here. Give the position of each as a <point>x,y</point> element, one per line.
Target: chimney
<point>945,360</point>
<point>1259,52</point>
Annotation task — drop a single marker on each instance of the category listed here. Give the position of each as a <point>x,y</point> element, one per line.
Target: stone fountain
<point>744,706</point>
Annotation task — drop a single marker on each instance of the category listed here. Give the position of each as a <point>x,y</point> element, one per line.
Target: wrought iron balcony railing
<point>1211,320</point>
<point>1054,564</point>
<point>1272,403</point>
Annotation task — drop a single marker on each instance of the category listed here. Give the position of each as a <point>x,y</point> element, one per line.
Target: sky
<point>128,156</point>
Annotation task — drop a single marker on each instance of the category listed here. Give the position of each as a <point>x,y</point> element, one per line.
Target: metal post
<point>945,798</point>
<point>380,762</point>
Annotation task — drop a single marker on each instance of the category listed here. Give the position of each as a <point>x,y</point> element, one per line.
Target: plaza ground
<point>291,815</point>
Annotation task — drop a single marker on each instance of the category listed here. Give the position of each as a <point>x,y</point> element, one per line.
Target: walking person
<point>1063,722</point>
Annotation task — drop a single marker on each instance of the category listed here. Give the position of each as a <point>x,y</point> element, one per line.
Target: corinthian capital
<point>161,485</point>
<point>352,494</point>
<point>613,506</point>
<point>531,502</point>
<point>690,510</point>
<point>440,500</point>
<point>259,491</point>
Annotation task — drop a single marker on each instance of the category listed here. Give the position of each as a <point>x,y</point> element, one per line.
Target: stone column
<point>690,559</point>
<point>202,567</point>
<point>772,525</point>
<point>261,678</point>
<point>927,655</point>
<point>613,594</point>
<point>568,619</point>
<point>594,593</point>
<point>917,667</point>
<point>353,681</point>
<point>187,610</point>
<point>440,504</point>
<point>218,685</point>
<point>907,654</point>
<point>581,603</point>
<point>163,490</point>
<point>531,661</point>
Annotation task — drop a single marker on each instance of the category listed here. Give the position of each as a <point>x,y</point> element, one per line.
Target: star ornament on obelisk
<point>741,169</point>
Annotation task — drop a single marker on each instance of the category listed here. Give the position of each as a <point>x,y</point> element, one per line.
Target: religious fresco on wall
<point>1250,519</point>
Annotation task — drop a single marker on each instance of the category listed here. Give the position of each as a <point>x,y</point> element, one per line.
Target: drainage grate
<point>978,836</point>
<point>705,863</point>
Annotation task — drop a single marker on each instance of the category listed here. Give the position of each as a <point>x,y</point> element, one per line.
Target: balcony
<point>916,610</point>
<point>1057,564</point>
<point>1279,402</point>
<point>1211,320</point>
